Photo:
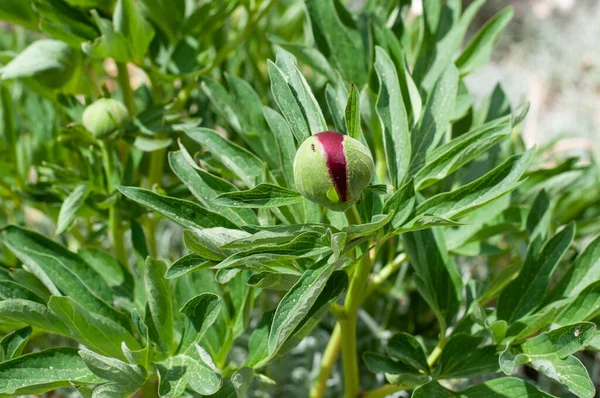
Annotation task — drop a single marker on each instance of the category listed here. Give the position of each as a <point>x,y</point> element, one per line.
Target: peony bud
<point>332,169</point>
<point>104,117</point>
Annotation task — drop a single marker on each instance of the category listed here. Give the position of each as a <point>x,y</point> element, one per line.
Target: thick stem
<point>327,362</point>
<point>349,361</point>
<point>125,84</point>
<point>348,325</point>
<point>116,232</point>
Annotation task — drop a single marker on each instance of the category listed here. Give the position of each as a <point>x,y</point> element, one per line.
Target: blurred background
<point>549,55</point>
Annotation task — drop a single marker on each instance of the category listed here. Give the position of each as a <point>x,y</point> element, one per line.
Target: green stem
<point>348,326</point>
<point>127,92</point>
<point>333,347</point>
<point>435,354</point>
<point>383,391</point>
<point>150,388</point>
<point>116,232</point>
<point>329,357</point>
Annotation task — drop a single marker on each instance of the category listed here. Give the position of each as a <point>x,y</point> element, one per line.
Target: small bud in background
<point>332,169</point>
<point>104,117</point>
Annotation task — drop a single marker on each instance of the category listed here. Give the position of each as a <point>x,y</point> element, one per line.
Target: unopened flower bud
<point>104,117</point>
<point>332,169</point>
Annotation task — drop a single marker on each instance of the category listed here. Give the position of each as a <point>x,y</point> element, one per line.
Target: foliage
<point>172,254</point>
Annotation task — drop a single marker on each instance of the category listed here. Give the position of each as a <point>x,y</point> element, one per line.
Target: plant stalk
<point>116,233</point>
<point>348,325</point>
<point>327,362</point>
<point>383,391</point>
<point>125,84</point>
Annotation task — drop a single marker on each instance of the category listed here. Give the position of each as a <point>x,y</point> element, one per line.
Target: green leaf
<point>436,275</point>
<point>308,55</point>
<point>211,243</point>
<point>261,196</point>
<point>559,343</point>
<point>33,314</point>
<point>274,281</point>
<point>336,97</point>
<point>44,371</point>
<point>93,330</point>
<point>449,157</point>
<point>496,388</point>
<point>339,43</point>
<point>477,53</point>
<point>443,35</point>
<point>61,271</point>
<point>167,15</point>
<point>393,117</point>
<point>492,185</point>
<point>302,92</point>
<point>126,38</point>
<point>130,23</point>
<point>187,369</point>
<point>52,63</point>
<point>396,372</point>
<point>568,371</point>
<point>205,187</point>
<point>130,377</point>
<point>377,223</point>
<point>244,164</point>
<point>109,268</point>
<point>539,218</point>
<point>297,303</point>
<point>19,13</point>
<point>183,212</point>
<point>462,357</point>
<point>13,343</point>
<point>285,143</point>
<point>527,291</point>
<point>285,99</point>
<point>407,349</point>
<point>187,264</point>
<point>69,208</point>
<point>201,312</point>
<point>158,294</point>
<point>352,113</point>
<point>433,124</point>
<point>582,308</point>
<point>401,203</point>
<point>304,245</point>
<point>585,270</point>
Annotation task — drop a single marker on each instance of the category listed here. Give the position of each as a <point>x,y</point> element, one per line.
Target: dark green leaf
<point>527,291</point>
<point>478,51</point>
<point>13,343</point>
<point>201,311</point>
<point>407,349</point>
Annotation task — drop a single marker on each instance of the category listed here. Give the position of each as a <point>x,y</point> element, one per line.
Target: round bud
<point>332,169</point>
<point>104,117</point>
